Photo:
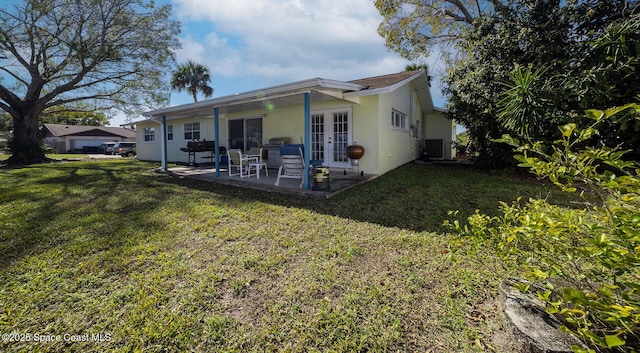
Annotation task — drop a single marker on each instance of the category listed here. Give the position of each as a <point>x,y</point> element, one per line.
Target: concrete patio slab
<point>339,181</point>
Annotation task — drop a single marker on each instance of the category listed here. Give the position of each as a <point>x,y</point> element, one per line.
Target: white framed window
<point>169,132</point>
<point>149,134</point>
<point>399,120</point>
<point>192,131</point>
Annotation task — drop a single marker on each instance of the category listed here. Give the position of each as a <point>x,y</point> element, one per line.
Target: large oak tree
<point>107,54</point>
<point>413,27</point>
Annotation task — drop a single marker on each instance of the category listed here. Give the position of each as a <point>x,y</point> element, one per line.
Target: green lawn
<point>157,263</point>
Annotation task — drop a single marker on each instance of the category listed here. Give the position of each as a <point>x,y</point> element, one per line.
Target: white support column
<point>307,140</point>
<point>216,136</point>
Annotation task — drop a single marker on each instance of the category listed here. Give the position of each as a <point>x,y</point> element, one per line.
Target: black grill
<point>194,147</point>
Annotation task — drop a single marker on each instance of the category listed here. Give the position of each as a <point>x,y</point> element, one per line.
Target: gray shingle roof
<point>385,80</point>
<point>60,130</point>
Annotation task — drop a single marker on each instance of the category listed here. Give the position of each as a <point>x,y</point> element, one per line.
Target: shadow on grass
<point>45,206</point>
<point>415,197</point>
<point>105,204</point>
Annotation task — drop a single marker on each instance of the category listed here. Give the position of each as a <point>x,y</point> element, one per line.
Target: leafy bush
<point>583,262</point>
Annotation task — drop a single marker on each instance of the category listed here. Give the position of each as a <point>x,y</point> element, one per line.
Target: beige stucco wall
<point>365,133</point>
<point>151,150</point>
<point>439,127</point>
<point>289,122</point>
<point>386,148</point>
<point>397,147</point>
<point>148,151</point>
<point>282,121</point>
<point>279,122</point>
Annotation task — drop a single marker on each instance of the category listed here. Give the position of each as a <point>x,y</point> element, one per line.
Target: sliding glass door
<point>245,133</point>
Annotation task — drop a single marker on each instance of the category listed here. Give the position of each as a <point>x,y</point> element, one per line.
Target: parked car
<point>107,147</point>
<point>125,149</point>
<point>90,149</point>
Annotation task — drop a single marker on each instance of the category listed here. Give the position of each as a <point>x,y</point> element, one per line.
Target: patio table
<point>258,166</point>
<point>248,160</point>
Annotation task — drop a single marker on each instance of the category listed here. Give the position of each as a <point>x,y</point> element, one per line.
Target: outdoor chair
<point>255,152</point>
<point>292,167</point>
<point>235,162</point>
<point>240,162</point>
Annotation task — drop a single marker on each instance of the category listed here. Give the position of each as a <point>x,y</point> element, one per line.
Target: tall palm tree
<point>192,77</point>
<point>417,67</point>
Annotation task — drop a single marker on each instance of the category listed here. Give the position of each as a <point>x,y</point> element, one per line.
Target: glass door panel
<point>245,133</point>
<point>340,137</point>
<point>330,136</point>
<point>236,134</point>
<point>317,137</point>
<point>253,133</point>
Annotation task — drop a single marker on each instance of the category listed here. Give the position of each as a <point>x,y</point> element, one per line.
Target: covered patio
<point>300,93</point>
<point>339,180</point>
<point>386,118</point>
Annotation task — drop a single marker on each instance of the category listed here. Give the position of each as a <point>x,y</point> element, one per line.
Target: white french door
<point>331,133</point>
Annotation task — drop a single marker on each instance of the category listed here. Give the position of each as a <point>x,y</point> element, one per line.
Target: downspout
<point>164,143</point>
<point>307,139</point>
<point>216,136</point>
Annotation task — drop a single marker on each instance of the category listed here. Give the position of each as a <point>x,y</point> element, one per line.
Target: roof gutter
<point>260,94</point>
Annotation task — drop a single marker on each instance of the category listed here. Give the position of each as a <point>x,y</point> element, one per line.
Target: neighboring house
<point>392,116</point>
<point>75,138</point>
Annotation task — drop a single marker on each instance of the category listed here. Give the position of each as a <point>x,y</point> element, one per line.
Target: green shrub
<point>584,262</point>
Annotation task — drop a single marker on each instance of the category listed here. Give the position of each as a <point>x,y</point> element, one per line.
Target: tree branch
<point>455,17</point>
<point>467,17</point>
<point>109,96</point>
<point>103,97</point>
<point>64,52</point>
<point>5,107</point>
<point>9,97</point>
<point>16,77</point>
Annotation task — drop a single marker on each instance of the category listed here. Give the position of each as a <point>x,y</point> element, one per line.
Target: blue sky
<point>252,44</point>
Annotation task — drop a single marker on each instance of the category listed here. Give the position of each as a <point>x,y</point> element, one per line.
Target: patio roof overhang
<point>282,95</point>
<point>296,93</point>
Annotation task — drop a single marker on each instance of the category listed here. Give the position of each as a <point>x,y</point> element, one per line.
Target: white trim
<point>144,134</point>
<point>328,131</point>
<point>184,131</point>
<point>173,134</point>
<point>259,94</point>
<point>340,95</point>
<point>404,119</point>
<point>244,128</point>
<point>247,117</point>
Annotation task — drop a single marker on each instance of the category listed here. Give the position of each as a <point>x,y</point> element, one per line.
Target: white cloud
<point>286,40</point>
<point>191,50</point>
<point>249,44</point>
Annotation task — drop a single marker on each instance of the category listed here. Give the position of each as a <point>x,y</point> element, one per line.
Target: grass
<point>155,263</point>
